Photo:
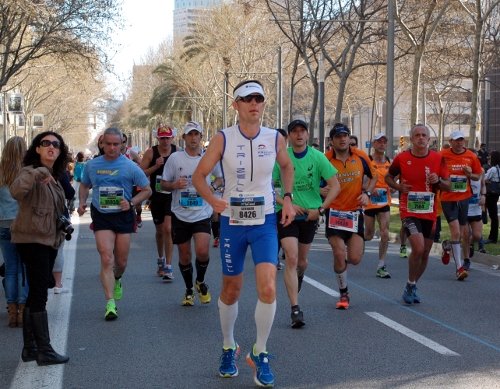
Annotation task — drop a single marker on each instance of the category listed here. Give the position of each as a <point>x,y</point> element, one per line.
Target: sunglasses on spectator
<point>249,98</point>
<point>47,143</point>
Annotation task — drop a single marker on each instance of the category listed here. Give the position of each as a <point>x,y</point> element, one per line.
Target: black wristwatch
<point>289,195</point>
<point>321,211</point>
<point>131,203</point>
<point>213,186</point>
<point>368,193</point>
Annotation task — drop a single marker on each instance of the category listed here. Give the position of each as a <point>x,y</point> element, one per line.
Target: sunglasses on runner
<point>249,98</point>
<point>47,143</point>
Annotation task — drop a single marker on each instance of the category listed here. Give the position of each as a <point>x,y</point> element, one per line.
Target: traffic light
<point>401,142</point>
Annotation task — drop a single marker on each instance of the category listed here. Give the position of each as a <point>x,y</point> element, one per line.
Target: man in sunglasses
<point>247,152</point>
<point>112,177</point>
<point>345,214</point>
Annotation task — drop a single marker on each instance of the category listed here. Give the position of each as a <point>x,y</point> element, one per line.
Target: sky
<point>148,22</point>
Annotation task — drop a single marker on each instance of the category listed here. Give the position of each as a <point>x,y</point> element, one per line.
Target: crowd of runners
<point>249,189</point>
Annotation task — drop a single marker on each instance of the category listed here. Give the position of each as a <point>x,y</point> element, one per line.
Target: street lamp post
<point>487,113</point>
<point>321,93</point>
<point>389,113</point>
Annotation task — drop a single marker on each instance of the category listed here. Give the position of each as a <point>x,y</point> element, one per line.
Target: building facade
<point>185,14</point>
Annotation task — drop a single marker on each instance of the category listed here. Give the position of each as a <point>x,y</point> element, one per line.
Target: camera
<point>65,226</point>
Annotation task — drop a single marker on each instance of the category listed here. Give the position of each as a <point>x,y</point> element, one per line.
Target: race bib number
<point>158,186</point>
<point>420,202</point>
<point>474,200</point>
<point>247,208</point>
<point>458,183</point>
<point>190,199</point>
<point>110,197</point>
<point>381,199</point>
<point>347,221</point>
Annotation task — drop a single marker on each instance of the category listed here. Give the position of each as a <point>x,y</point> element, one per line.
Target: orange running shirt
<point>383,199</point>
<point>460,184</point>
<point>350,176</point>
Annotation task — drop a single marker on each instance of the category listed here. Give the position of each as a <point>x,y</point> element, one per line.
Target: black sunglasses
<point>249,98</point>
<point>47,143</point>
<point>352,144</point>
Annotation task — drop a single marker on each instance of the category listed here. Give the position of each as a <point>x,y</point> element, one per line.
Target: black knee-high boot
<point>30,349</point>
<point>46,354</point>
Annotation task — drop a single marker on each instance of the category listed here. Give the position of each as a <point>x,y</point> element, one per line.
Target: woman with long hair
<point>493,174</point>
<point>38,232</point>
<point>15,284</point>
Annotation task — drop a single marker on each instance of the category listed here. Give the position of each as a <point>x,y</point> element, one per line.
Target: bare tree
<point>337,31</point>
<point>479,12</point>
<point>31,30</point>
<point>418,21</point>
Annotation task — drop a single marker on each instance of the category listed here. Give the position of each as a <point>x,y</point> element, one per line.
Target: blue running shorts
<point>234,241</point>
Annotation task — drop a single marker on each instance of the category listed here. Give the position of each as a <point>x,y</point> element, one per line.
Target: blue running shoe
<point>228,366</point>
<point>263,376</point>
<point>408,294</point>
<point>416,298</point>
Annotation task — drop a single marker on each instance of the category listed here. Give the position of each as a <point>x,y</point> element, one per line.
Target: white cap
<point>457,134</point>
<point>380,136</point>
<point>248,89</point>
<point>190,126</point>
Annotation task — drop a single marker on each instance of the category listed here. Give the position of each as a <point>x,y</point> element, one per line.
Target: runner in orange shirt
<point>464,166</point>
<point>379,205</point>
<point>345,215</point>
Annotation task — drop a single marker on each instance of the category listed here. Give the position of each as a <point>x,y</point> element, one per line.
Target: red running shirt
<point>415,171</point>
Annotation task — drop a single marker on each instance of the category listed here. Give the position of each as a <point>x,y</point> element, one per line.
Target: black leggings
<point>39,261</point>
<point>491,206</point>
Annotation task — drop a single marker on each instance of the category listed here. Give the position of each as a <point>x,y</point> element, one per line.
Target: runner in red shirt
<point>422,173</point>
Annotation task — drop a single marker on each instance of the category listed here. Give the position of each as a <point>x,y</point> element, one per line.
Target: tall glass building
<point>185,13</point>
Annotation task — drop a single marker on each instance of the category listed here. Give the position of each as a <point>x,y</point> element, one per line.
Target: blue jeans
<point>15,292</point>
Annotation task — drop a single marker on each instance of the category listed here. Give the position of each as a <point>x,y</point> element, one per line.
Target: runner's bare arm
<point>207,163</point>
<point>286,173</point>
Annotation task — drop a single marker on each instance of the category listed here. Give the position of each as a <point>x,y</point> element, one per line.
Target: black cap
<point>295,123</point>
<point>339,129</point>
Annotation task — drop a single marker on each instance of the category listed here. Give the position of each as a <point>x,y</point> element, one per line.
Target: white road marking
<point>412,334</point>
<point>322,287</point>
<point>29,375</point>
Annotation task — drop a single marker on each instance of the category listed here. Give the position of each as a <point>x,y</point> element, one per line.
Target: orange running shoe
<point>343,303</point>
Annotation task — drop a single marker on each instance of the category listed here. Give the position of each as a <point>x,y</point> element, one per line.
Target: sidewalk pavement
<point>484,259</point>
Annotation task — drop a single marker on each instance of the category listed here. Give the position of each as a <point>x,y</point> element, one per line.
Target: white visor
<point>248,89</point>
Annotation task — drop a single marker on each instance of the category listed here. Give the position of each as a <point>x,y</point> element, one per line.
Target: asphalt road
<point>450,340</point>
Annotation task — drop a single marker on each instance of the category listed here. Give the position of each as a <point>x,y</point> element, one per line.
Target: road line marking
<point>321,287</point>
<point>412,334</point>
<point>29,375</point>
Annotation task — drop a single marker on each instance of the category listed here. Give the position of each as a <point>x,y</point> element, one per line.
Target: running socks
<point>187,275</point>
<point>227,315</point>
<point>264,318</point>
<point>342,278</point>
<point>201,269</point>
